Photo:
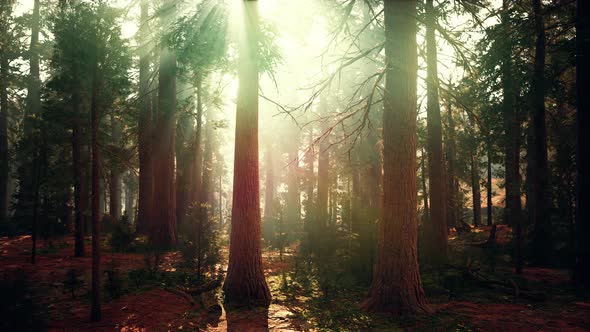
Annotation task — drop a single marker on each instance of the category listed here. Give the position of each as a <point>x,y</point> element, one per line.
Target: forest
<point>294,165</point>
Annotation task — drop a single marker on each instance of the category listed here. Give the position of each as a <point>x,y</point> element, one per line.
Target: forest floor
<point>461,304</point>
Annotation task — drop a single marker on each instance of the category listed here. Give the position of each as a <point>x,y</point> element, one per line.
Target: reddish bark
<point>245,283</point>
<point>582,267</point>
<point>436,227</point>
<point>540,209</point>
<point>396,286</point>
<point>512,140</point>
<point>163,228</point>
<point>146,176</point>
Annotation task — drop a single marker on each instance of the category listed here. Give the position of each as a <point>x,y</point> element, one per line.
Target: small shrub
<point>114,282</point>
<point>73,282</point>
<point>122,235</point>
<point>200,248</point>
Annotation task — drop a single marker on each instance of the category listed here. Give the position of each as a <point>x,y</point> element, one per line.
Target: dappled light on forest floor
<point>298,304</point>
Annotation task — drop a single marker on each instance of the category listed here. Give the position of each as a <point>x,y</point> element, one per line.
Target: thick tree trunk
<point>163,230</point>
<point>582,268</point>
<point>24,207</point>
<point>489,184</point>
<point>436,228</point>
<point>511,141</point>
<point>541,208</point>
<point>4,156</point>
<point>245,283</point>
<point>95,314</point>
<point>396,286</point>
<point>5,36</point>
<point>146,175</point>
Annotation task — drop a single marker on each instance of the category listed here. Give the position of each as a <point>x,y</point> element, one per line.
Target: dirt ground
<point>164,310</point>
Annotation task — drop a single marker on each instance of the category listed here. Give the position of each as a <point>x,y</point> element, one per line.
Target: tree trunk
<point>79,178</point>
<point>197,166</point>
<point>511,141</point>
<point>323,170</point>
<point>269,185</point>
<point>245,283</point>
<point>424,187</point>
<point>293,201</point>
<point>163,230</point>
<point>541,210</point>
<point>489,184</point>
<point>130,182</point>
<point>184,163</point>
<point>146,170</point>
<point>309,179</point>
<point>96,192</point>
<point>396,286</point>
<point>436,228</point>
<point>25,203</point>
<point>115,178</point>
<point>582,268</point>
<point>452,185</point>
<point>475,189</point>
<point>207,179</point>
<point>4,156</point>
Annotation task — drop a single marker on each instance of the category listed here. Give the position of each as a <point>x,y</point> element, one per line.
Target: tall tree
<point>5,13</point>
<point>540,209</point>
<point>96,192</point>
<point>511,136</point>
<point>163,228</point>
<point>245,283</point>
<point>323,169</point>
<point>489,192</point>
<point>437,224</point>
<point>396,286</point>
<point>146,175</point>
<point>475,186</point>
<point>582,267</point>
<point>115,170</point>
<point>293,199</point>
<point>80,203</point>
<point>26,191</point>
<point>452,185</point>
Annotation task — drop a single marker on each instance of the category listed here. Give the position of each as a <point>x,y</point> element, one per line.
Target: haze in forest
<point>293,165</point>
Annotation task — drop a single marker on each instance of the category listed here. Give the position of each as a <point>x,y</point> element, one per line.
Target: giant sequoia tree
<point>512,133</point>
<point>396,286</point>
<point>245,283</point>
<point>163,225</point>
<point>582,267</point>
<point>437,225</point>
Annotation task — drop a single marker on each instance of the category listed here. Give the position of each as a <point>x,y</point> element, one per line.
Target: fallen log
<point>509,287</point>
